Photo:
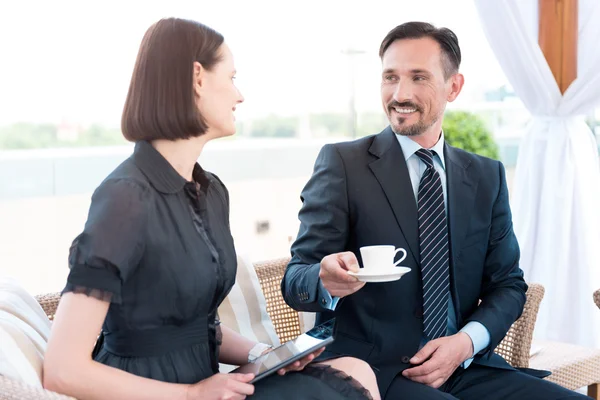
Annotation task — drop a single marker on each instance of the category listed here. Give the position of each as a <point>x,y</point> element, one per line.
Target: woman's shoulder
<point>215,180</point>
<point>217,185</point>
<point>128,176</point>
<point>126,184</point>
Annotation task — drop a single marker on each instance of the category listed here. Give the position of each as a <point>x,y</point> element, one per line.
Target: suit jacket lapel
<point>392,173</point>
<point>462,187</point>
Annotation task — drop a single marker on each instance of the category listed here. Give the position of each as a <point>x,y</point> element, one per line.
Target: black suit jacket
<point>360,194</point>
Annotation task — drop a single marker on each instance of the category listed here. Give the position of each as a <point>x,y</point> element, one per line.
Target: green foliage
<point>275,126</point>
<point>370,123</point>
<point>468,132</point>
<point>98,135</point>
<point>35,136</point>
<point>329,123</point>
<point>461,129</point>
<point>27,136</point>
<point>338,124</point>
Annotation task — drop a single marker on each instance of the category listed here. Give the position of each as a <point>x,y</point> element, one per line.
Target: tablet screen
<point>314,339</point>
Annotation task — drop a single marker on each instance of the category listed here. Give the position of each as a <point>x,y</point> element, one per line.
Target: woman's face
<point>217,95</point>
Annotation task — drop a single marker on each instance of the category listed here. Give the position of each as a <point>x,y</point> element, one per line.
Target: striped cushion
<point>307,321</point>
<point>245,309</point>
<point>24,330</point>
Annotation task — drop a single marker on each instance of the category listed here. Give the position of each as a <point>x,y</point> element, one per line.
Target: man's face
<point>414,90</point>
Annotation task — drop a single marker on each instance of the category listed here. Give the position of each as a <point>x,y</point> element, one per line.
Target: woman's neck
<point>181,154</point>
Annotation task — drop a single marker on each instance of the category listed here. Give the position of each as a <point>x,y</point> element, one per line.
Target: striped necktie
<point>433,242</point>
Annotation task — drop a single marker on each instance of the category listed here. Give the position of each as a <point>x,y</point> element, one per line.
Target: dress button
<point>405,359</point>
<point>323,301</point>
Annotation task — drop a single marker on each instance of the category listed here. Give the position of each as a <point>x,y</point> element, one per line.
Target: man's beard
<point>416,129</point>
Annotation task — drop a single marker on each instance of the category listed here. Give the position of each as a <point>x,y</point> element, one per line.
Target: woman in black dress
<point>156,256</point>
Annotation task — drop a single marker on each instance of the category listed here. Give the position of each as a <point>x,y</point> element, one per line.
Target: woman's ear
<point>198,77</point>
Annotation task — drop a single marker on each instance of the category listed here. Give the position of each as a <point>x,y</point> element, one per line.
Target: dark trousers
<point>478,382</point>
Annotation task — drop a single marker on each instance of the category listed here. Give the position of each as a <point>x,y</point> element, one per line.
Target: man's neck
<point>428,139</point>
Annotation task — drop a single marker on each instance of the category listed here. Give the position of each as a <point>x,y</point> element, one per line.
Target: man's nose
<point>403,91</point>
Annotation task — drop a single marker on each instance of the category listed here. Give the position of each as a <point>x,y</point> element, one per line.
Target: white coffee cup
<point>381,257</point>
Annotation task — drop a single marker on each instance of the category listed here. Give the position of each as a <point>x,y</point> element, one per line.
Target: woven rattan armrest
<point>516,345</point>
<point>285,319</point>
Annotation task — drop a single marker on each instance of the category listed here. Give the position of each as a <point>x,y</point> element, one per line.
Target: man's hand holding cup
<point>334,274</point>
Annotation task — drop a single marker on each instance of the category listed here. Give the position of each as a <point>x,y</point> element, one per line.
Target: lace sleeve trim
<point>99,294</point>
<point>341,382</point>
<point>102,283</point>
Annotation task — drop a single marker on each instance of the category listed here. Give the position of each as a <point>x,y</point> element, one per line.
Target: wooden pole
<point>558,32</point>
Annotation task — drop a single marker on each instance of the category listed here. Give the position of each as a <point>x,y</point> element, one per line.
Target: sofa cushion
<point>245,308</point>
<point>24,332</point>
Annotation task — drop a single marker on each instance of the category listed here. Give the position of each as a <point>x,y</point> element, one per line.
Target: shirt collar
<point>410,147</point>
<point>161,174</point>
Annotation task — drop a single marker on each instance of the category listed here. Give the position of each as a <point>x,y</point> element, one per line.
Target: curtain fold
<point>555,195</point>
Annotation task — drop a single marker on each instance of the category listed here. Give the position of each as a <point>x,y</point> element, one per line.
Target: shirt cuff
<point>480,337</point>
<point>330,302</point>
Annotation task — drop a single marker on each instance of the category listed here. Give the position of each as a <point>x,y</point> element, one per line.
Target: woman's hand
<point>300,364</point>
<point>222,387</point>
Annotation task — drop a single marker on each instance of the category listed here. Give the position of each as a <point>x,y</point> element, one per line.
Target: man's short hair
<point>443,36</point>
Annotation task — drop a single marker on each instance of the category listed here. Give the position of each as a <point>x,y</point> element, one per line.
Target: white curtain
<point>555,195</point>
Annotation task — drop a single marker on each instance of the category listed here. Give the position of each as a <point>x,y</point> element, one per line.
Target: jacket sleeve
<point>324,225</point>
<point>503,289</point>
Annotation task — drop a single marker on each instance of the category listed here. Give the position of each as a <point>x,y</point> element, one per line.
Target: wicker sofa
<point>515,347</point>
<point>572,366</point>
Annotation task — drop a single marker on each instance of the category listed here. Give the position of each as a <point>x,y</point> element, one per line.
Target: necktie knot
<point>426,156</point>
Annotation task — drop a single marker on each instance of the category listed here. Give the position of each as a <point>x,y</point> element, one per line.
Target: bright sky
<point>74,59</point>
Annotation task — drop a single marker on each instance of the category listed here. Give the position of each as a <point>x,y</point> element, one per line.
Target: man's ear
<point>457,82</point>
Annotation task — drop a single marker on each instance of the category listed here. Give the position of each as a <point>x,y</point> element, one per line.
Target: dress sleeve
<point>112,243</point>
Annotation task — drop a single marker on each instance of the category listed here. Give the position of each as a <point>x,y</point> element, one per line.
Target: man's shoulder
<point>472,160</point>
<point>352,147</point>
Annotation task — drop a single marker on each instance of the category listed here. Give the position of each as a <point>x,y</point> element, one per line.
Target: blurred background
<point>309,72</point>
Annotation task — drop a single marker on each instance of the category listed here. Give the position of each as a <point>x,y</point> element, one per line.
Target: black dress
<point>160,250</point>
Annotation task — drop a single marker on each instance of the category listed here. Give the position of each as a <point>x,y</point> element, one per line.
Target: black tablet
<point>290,352</point>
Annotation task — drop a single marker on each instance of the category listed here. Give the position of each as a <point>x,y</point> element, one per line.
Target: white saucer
<point>384,275</point>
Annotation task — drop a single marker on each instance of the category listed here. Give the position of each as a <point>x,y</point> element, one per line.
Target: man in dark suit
<point>425,335</point>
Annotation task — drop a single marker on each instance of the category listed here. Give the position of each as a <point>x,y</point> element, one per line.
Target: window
<point>298,66</point>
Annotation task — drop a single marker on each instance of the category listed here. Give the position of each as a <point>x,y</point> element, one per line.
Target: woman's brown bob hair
<point>161,102</point>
